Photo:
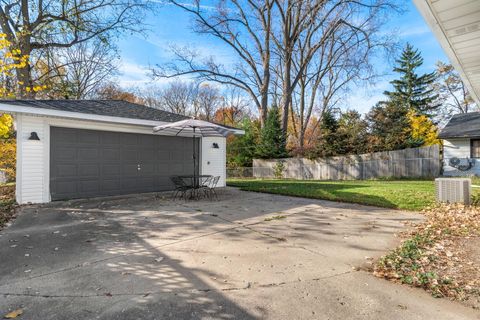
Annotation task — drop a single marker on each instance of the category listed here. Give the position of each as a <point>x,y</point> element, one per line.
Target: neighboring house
<point>461,145</point>
<point>70,149</point>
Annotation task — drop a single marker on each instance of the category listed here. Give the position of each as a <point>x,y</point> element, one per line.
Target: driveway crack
<point>146,294</point>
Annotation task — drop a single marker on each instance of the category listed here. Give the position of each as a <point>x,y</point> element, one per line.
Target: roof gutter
<point>430,17</point>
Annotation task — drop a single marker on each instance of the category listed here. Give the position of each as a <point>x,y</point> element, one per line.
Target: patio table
<point>195,182</point>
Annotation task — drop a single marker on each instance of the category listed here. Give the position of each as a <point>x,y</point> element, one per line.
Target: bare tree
<point>307,25</point>
<point>207,101</point>
<point>453,96</point>
<point>76,72</point>
<point>245,27</point>
<point>36,25</point>
<point>114,91</point>
<point>178,97</point>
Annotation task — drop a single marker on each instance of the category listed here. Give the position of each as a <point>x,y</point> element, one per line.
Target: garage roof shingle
<point>113,108</point>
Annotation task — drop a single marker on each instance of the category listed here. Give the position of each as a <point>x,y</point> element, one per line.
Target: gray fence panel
<point>415,162</point>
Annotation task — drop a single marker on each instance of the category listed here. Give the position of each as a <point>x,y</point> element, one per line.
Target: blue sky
<point>170,25</point>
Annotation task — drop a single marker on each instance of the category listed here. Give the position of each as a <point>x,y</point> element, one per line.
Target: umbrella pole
<point>194,163</point>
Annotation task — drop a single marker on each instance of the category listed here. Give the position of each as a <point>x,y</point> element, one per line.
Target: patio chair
<point>212,187</point>
<point>180,187</point>
<point>205,186</point>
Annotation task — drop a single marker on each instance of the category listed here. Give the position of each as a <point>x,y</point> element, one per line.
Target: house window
<point>475,148</point>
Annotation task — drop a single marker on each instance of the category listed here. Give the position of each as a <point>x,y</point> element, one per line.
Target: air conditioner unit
<point>453,190</point>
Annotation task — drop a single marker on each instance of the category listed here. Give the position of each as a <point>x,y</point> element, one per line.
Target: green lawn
<point>400,194</point>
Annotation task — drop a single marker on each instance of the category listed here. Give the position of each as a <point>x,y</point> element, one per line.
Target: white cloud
<point>414,31</point>
<point>133,74</point>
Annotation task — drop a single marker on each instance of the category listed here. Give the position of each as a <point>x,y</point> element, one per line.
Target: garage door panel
<point>112,170</point>
<point>88,163</point>
<point>89,186</point>
<point>148,169</point>
<point>67,187</point>
<point>88,137</point>
<point>88,170</point>
<point>110,138</point>
<point>112,186</point>
<point>67,154</point>
<point>129,170</point>
<point>88,154</point>
<point>147,155</point>
<point>110,154</point>
<point>130,139</point>
<point>129,154</point>
<point>66,170</point>
<point>65,137</point>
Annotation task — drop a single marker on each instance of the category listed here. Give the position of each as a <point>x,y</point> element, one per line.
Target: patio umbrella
<point>194,128</point>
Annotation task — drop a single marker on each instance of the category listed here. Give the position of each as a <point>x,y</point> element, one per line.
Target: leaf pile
<point>7,203</point>
<point>440,254</point>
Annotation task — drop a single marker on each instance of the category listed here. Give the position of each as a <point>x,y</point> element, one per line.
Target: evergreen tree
<point>351,133</point>
<point>413,91</point>
<point>389,127</point>
<point>327,144</point>
<point>241,149</point>
<point>272,144</point>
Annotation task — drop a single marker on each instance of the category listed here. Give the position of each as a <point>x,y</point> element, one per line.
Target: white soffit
<point>456,25</point>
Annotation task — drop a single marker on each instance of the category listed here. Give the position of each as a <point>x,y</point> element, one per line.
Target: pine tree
<point>411,90</point>
<point>390,128</point>
<point>328,144</point>
<point>272,144</point>
<point>241,149</point>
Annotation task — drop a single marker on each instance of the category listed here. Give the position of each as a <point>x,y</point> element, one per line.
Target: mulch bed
<point>7,204</point>
<point>441,255</point>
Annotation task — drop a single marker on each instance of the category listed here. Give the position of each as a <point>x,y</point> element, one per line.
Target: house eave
<point>431,18</point>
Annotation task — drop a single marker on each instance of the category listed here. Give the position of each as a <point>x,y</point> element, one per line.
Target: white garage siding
<point>213,160</point>
<point>458,148</point>
<point>33,157</point>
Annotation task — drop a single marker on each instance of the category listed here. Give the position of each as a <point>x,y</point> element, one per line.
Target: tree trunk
<point>287,95</point>
<point>24,75</point>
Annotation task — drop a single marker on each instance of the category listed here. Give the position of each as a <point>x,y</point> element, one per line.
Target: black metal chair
<point>213,185</point>
<point>180,187</point>
<point>205,185</point>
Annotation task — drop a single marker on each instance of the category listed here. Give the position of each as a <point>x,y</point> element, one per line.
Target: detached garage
<point>68,149</point>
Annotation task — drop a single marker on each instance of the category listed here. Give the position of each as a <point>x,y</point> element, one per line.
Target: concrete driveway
<point>246,256</point>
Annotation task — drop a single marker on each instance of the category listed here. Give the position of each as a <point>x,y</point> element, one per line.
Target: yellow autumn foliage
<point>422,128</point>
<point>8,148</point>
<point>6,123</point>
<point>11,59</point>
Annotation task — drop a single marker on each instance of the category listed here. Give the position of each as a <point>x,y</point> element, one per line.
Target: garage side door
<point>90,163</point>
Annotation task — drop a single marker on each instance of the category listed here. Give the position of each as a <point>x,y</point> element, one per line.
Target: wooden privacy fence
<point>413,163</point>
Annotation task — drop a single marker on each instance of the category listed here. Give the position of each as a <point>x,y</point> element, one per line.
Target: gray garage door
<point>88,163</point>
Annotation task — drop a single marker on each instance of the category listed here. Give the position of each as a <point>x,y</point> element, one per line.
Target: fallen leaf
<point>13,314</point>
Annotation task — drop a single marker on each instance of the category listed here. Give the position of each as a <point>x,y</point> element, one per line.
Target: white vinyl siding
<point>33,157</point>
<point>30,160</point>
<point>213,159</point>
<point>458,148</point>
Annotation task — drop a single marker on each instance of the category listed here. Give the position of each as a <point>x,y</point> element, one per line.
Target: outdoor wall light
<point>34,136</point>
<point>215,145</point>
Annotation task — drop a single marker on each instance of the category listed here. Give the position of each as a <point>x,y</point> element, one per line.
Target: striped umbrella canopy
<point>194,128</point>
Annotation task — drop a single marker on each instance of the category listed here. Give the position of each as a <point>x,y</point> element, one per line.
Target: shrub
<point>278,169</point>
